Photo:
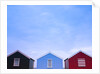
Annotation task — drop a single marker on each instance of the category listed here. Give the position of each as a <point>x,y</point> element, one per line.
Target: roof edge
<point>77,53</point>
<point>50,53</point>
<point>19,52</point>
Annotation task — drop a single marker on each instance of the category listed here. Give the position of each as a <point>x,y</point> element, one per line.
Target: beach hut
<point>79,61</point>
<point>49,61</point>
<point>18,60</point>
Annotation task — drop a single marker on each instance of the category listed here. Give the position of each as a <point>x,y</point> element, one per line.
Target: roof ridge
<point>77,53</point>
<point>50,53</point>
<point>19,52</point>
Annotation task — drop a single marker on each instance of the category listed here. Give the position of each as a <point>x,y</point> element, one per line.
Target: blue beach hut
<point>49,61</point>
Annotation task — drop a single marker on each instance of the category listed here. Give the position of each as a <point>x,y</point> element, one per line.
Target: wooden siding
<point>24,61</point>
<point>73,61</point>
<point>42,62</point>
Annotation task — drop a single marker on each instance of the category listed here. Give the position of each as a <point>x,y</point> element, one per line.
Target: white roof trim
<point>47,54</point>
<point>19,52</point>
<point>78,52</point>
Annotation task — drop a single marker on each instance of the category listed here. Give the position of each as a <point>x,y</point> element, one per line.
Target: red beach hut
<point>79,61</point>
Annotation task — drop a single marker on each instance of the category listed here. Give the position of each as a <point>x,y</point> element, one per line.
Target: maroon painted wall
<point>73,62</point>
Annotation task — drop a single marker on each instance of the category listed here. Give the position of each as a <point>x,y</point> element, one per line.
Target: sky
<point>37,30</point>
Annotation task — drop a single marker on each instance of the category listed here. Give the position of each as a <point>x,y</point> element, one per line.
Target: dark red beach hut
<point>79,61</point>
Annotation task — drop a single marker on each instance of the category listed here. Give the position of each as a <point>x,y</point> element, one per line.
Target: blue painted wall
<point>57,63</point>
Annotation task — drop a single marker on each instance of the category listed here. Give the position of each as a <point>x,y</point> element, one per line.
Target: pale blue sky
<point>60,29</point>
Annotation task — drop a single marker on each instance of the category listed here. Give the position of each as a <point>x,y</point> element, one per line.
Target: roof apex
<point>49,53</point>
<point>77,53</point>
<point>20,53</point>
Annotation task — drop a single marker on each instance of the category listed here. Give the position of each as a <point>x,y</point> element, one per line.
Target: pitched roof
<point>51,54</point>
<point>20,53</point>
<point>77,53</point>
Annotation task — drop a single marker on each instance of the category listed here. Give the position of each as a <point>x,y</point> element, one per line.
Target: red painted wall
<point>73,61</point>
